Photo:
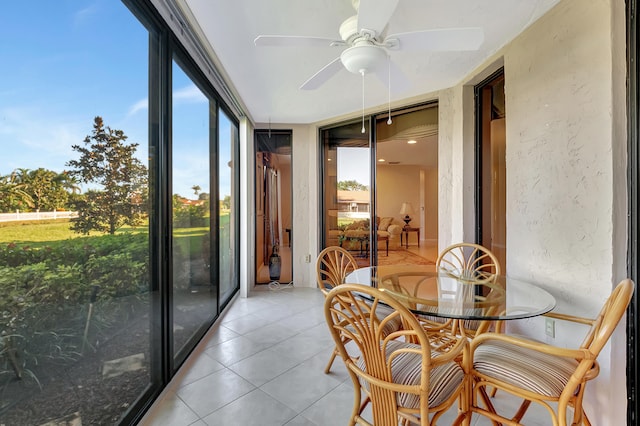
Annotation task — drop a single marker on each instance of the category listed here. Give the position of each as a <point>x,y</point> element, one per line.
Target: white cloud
<point>85,15</point>
<point>190,94</point>
<point>142,104</point>
<point>33,138</point>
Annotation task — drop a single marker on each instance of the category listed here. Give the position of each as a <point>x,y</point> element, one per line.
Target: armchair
<point>543,373</point>
<point>404,382</point>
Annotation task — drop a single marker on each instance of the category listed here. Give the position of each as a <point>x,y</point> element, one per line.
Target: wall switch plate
<point>307,258</point>
<point>550,327</point>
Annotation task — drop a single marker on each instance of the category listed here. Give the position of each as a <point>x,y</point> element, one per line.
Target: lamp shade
<point>406,209</point>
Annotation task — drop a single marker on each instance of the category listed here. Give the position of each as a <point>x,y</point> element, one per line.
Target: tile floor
<point>262,364</point>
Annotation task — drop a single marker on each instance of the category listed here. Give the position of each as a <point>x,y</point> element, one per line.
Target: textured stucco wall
<point>561,191</point>
<point>565,160</point>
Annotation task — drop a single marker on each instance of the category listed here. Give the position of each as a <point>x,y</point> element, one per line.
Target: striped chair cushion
<point>531,370</point>
<point>406,368</point>
<point>394,324</point>
<point>388,328</point>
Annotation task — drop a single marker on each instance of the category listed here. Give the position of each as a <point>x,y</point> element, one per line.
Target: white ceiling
<point>267,79</point>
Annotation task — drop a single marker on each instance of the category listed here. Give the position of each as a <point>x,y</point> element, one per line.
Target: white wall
<point>566,186</point>
<point>395,185</point>
<point>247,208</point>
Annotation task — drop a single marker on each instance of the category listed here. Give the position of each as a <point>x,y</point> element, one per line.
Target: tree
<point>196,189</point>
<point>351,185</point>
<point>225,203</point>
<point>106,160</point>
<point>13,194</point>
<point>45,189</point>
<point>68,182</point>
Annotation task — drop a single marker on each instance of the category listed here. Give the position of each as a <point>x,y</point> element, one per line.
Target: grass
<point>49,232</point>
<point>38,233</point>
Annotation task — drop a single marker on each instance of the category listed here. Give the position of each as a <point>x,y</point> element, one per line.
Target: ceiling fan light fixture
<point>363,58</point>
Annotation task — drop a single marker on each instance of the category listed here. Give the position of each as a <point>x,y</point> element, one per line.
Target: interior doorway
<point>491,166</point>
<point>380,188</point>
<point>273,206</point>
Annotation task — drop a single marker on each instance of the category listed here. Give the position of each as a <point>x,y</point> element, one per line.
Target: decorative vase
<point>274,264</point>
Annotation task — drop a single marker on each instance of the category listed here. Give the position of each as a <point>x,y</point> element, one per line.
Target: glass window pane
<point>407,185</point>
<point>347,187</point>
<point>227,143</point>
<point>194,291</point>
<point>74,238</point>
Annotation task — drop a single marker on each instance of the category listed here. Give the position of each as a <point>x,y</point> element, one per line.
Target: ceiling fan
<point>368,47</point>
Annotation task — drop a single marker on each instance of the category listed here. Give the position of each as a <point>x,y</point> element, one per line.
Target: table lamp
<point>406,209</point>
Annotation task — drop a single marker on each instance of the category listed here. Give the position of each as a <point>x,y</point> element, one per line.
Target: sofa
<point>351,235</point>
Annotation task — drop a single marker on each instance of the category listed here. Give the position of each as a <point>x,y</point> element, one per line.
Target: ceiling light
<point>363,58</point>
<point>411,142</point>
<point>381,160</point>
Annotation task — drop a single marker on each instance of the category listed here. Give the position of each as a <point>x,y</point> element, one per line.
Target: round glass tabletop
<point>444,295</point>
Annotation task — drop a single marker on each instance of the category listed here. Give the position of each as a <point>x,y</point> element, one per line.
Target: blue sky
<point>67,61</point>
<point>353,164</point>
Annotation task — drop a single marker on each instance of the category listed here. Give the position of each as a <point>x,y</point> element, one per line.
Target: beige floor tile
<point>264,364</point>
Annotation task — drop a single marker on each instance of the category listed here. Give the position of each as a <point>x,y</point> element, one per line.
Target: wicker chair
<point>332,266</point>
<point>542,373</point>
<point>468,261</point>
<point>473,262</point>
<point>401,381</point>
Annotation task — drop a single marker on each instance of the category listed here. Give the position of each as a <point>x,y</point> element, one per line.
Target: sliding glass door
<point>118,210</point>
<point>391,218</point>
<point>347,190</point>
<point>407,185</point>
<point>194,292</point>
<point>228,190</point>
<point>77,293</point>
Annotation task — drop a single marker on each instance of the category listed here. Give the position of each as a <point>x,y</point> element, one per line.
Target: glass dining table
<point>439,294</point>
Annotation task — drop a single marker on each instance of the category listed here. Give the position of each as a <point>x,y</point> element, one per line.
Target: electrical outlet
<point>307,258</point>
<point>550,327</point>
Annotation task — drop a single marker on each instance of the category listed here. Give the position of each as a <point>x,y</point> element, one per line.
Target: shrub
<point>44,291</point>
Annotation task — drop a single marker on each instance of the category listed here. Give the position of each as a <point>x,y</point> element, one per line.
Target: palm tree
<point>13,194</point>
<point>68,182</point>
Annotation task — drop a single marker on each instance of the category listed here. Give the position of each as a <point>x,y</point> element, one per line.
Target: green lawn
<point>38,234</point>
<point>46,233</point>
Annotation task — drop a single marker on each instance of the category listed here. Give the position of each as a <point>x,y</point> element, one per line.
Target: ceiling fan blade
<point>447,39</point>
<point>321,77</point>
<point>296,41</point>
<point>375,14</point>
<point>393,78</point>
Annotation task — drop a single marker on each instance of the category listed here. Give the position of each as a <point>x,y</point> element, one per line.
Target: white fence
<point>10,217</point>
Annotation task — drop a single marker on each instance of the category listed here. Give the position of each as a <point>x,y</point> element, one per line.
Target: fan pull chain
<point>389,86</point>
<point>362,73</point>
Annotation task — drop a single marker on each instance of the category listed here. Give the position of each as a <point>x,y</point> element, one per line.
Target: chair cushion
<point>382,311</point>
<point>531,370</point>
<point>394,324</point>
<point>406,369</point>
